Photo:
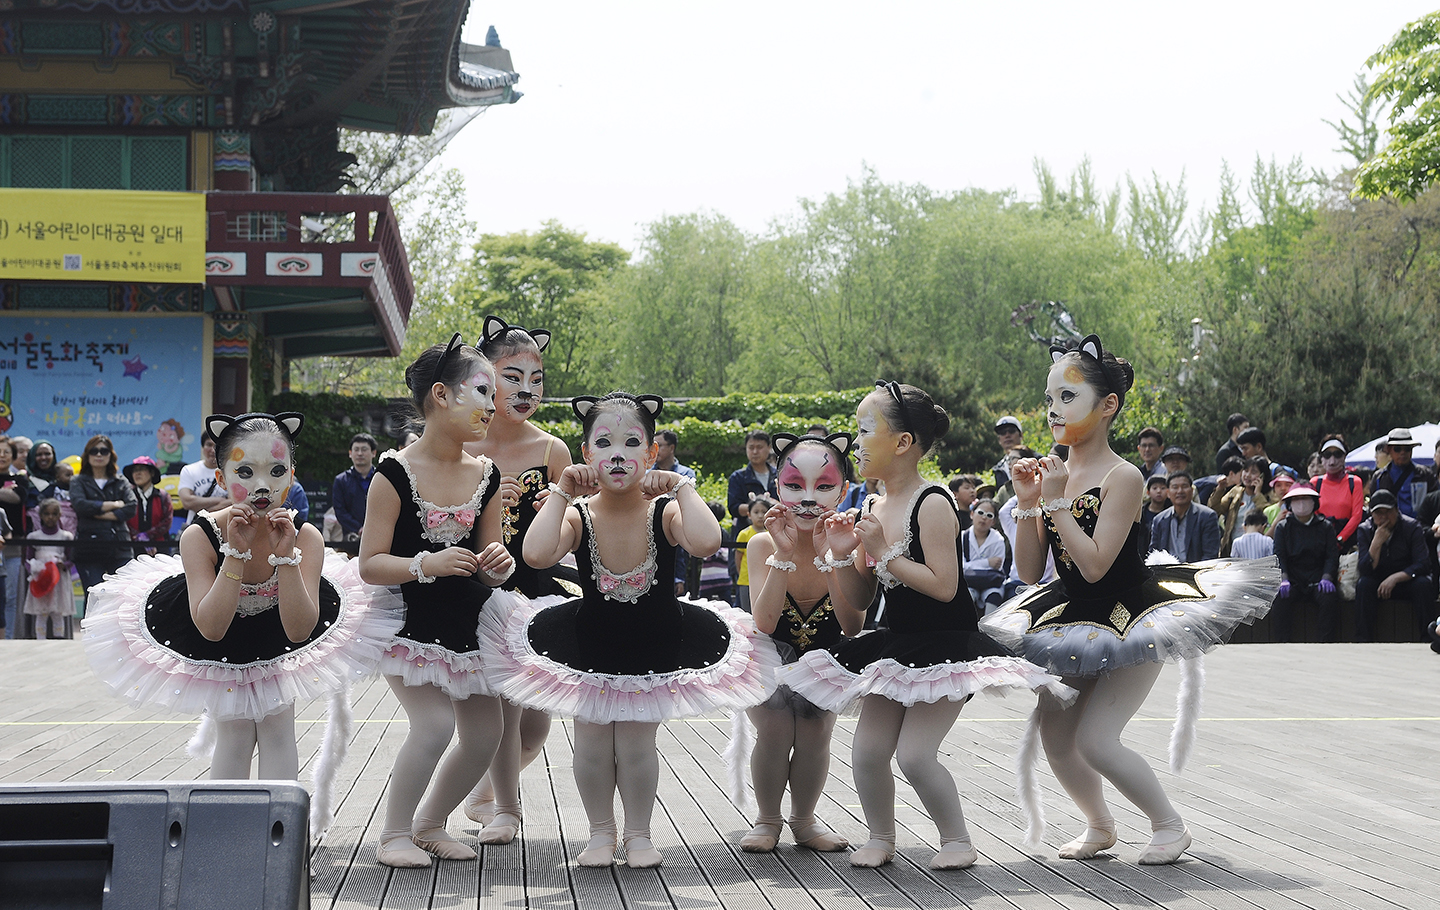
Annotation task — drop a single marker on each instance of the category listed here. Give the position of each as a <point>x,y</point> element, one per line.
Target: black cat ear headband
<point>291,421</point>
<point>1089,347</point>
<point>494,327</point>
<point>897,393</point>
<point>581,404</point>
<point>782,443</point>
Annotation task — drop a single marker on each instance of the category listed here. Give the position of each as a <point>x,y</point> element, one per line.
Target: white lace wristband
<point>227,550</point>
<point>1058,505</point>
<point>555,488</point>
<point>684,482</point>
<point>823,563</point>
<point>1021,514</point>
<point>784,565</point>
<point>840,563</point>
<point>500,577</point>
<point>294,559</point>
<point>417,571</point>
<point>882,569</point>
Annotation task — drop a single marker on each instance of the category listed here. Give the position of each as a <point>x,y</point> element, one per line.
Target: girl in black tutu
<point>241,624</point>
<point>790,599</point>
<point>628,654</point>
<point>1108,622</point>
<point>528,458</point>
<point>433,527</point>
<point>917,674</point>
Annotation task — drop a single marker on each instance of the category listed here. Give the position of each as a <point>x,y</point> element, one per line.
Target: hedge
<point>323,447</point>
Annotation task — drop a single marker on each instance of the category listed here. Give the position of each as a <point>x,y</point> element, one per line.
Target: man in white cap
<point>1009,435</point>
<point>1407,480</point>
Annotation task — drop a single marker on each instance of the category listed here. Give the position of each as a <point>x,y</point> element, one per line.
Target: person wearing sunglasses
<point>103,503</point>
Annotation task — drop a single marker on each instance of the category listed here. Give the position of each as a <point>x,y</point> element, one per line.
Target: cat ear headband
<point>1089,347</point>
<point>782,443</point>
<point>582,404</point>
<point>291,421</point>
<point>494,327</point>
<point>896,393</point>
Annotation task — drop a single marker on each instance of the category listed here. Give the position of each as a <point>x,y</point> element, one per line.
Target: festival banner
<point>137,379</point>
<point>102,235</point>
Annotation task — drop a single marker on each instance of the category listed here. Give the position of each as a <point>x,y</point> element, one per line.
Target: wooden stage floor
<point>1313,785</point>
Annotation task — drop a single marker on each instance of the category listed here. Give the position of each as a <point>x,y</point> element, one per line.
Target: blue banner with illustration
<point>136,379</point>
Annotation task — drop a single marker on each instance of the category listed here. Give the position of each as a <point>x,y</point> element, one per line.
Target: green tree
<point>675,318</point>
<point>1408,81</point>
<point>548,279</point>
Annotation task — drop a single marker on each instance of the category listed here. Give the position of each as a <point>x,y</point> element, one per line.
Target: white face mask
<point>259,470</point>
<point>1302,507</point>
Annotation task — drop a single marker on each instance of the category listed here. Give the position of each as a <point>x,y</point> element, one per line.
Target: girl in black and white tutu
<point>628,654</point>
<point>242,624</point>
<point>915,675</point>
<point>1108,623</point>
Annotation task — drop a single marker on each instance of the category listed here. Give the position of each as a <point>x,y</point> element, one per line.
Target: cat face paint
<point>471,404</point>
<point>1073,407</point>
<point>520,380</point>
<point>617,448</point>
<point>260,470</point>
<point>875,443</point>
<point>810,483</point>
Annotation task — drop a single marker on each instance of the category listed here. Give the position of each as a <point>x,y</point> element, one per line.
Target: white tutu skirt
<point>141,643</point>
<point>741,676</point>
<point>458,675</point>
<point>1183,611</point>
<point>821,678</point>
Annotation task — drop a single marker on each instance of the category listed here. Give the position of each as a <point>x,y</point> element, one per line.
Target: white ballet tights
<point>1082,744</point>
<point>525,733</point>
<point>235,742</point>
<point>789,750</point>
<point>619,756</point>
<point>913,736</point>
<point>433,718</point>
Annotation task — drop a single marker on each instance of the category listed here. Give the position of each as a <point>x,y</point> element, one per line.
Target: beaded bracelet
<point>416,568</point>
<point>227,550</point>
<point>784,565</point>
<point>1020,514</point>
<point>294,560</point>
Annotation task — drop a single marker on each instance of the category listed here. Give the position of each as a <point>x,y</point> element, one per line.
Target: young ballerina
<point>627,655</point>
<point>917,674</point>
<point>528,458</point>
<point>1108,622</point>
<point>48,596</point>
<point>791,602</point>
<point>433,527</point>
<point>242,624</point>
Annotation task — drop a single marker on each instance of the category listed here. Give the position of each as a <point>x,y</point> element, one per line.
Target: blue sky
<point>635,110</point>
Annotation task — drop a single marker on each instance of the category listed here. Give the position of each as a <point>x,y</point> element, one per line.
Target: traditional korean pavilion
<point>238,100</point>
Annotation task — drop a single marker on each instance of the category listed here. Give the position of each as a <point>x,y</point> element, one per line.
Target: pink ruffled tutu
<point>738,674</point>
<point>141,643</point>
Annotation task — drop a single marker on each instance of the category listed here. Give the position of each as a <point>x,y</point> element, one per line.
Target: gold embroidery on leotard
<point>1050,614</point>
<point>1119,617</point>
<point>1181,589</point>
<point>530,481</point>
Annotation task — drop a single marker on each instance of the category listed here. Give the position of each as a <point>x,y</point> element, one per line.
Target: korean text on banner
<point>102,235</point>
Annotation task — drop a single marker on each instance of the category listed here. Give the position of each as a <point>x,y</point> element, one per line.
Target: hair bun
<point>1127,373</point>
<point>942,422</point>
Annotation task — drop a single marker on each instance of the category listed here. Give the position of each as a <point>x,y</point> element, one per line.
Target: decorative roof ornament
<point>492,38</point>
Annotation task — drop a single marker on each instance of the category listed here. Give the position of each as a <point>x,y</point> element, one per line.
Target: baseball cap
<point>1006,421</point>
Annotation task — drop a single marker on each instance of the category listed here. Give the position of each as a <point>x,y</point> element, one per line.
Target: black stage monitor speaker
<point>185,845</point>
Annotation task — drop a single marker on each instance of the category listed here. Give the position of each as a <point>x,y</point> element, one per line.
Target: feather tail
<point>336,744</point>
<point>1028,783</point>
<point>737,760</point>
<point>1187,711</point>
<point>202,743</point>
